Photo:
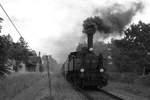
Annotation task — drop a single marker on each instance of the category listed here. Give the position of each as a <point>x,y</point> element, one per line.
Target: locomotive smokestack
<point>90,41</point>
<point>89,28</point>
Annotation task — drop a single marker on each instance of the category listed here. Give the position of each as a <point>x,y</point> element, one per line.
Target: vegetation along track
<point>102,94</point>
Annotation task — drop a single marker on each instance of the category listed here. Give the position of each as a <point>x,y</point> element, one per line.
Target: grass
<point>144,80</point>
<point>122,77</point>
<point>34,86</point>
<point>61,90</point>
<point>130,83</point>
<point>16,83</point>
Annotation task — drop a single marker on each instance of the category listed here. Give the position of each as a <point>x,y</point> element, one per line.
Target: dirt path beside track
<point>61,90</point>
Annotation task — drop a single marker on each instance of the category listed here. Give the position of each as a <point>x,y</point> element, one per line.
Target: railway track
<point>110,94</point>
<point>100,94</point>
<point>84,93</point>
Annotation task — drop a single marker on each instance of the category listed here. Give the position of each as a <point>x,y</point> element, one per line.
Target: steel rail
<point>109,94</point>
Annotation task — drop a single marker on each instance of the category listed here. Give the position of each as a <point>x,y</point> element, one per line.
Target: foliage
<point>10,50</point>
<point>1,19</point>
<point>134,48</point>
<point>19,50</point>
<point>5,42</point>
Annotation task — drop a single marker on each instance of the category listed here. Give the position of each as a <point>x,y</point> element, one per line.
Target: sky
<point>55,26</point>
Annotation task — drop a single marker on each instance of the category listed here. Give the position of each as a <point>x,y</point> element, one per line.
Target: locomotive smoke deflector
<point>89,28</point>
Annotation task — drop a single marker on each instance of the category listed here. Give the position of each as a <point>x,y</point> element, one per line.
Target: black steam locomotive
<point>83,68</point>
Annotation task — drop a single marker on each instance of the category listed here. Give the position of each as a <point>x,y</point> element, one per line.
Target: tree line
<point>10,50</point>
<point>133,54</point>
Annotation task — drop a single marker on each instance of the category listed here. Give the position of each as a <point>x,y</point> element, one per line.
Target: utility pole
<point>49,77</point>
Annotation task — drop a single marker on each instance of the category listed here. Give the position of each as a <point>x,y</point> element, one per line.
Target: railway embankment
<point>130,86</point>
<point>128,91</point>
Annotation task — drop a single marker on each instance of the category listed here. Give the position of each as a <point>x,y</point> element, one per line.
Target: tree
<point>10,50</point>
<point>1,19</point>
<point>19,52</point>
<point>5,42</point>
<point>134,48</point>
<point>4,45</point>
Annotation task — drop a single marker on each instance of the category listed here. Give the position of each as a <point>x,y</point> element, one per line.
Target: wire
<point>11,20</point>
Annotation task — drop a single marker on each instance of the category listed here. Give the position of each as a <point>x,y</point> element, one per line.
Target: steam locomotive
<point>85,69</point>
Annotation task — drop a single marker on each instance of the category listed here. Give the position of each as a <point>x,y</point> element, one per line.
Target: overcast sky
<point>55,26</point>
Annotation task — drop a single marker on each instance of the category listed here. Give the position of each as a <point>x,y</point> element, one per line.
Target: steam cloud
<point>116,17</point>
<point>111,20</point>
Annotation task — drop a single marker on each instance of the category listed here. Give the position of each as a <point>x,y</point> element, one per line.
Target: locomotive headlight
<point>91,49</point>
<point>101,70</point>
<point>82,70</point>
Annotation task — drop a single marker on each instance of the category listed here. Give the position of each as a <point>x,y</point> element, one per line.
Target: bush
<point>128,77</point>
<point>122,77</point>
<point>113,76</point>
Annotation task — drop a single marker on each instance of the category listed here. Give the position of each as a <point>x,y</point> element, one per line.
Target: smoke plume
<point>116,17</point>
<point>110,20</point>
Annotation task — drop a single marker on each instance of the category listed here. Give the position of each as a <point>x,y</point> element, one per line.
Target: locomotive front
<point>93,73</point>
<point>85,69</point>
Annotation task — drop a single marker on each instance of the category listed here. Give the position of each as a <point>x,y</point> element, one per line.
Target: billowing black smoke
<point>110,20</point>
<point>89,28</point>
<point>116,17</point>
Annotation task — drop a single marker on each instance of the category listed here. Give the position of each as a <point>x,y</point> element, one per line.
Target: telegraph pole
<point>49,77</point>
